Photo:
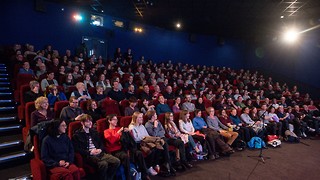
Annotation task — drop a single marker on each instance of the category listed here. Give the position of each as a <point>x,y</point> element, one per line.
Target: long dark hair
<point>53,127</point>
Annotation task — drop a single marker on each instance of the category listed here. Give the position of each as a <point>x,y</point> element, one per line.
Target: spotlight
<point>62,9</point>
<point>281,17</point>
<point>138,30</point>
<point>291,36</point>
<point>178,25</point>
<point>77,17</point>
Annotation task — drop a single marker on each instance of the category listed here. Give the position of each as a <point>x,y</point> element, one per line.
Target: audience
<point>34,92</point>
<point>72,112</point>
<point>42,113</point>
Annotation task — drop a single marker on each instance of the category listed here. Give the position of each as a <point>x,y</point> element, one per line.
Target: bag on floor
<point>256,143</point>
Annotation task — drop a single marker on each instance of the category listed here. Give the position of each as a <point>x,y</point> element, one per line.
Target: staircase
<point>11,144</point>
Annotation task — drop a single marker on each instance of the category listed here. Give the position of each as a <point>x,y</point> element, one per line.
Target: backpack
<point>256,142</point>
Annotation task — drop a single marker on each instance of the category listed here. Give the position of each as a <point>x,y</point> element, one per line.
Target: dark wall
<point>25,25</point>
<point>298,62</point>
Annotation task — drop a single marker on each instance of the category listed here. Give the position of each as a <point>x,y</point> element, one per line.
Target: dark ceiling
<point>225,18</point>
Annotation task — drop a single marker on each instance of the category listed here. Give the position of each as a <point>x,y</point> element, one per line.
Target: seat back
<point>125,121</point>
<point>58,106</point>
<point>29,108</point>
<point>23,79</point>
<point>110,106</point>
<point>73,126</point>
<point>101,125</point>
<point>23,89</point>
<point>123,104</point>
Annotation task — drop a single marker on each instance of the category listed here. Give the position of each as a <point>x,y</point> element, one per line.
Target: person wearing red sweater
<point>113,145</point>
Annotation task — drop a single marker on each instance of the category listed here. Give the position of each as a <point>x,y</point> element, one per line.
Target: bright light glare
<point>77,17</point>
<point>178,25</point>
<point>291,36</point>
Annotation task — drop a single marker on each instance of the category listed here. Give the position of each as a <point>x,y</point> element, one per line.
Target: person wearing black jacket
<point>57,152</point>
<point>87,142</point>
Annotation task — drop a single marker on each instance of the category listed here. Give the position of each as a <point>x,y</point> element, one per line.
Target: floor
<point>289,161</point>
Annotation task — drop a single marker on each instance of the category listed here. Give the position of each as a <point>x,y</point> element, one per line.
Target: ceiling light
<point>178,25</point>
<point>281,17</point>
<point>291,36</point>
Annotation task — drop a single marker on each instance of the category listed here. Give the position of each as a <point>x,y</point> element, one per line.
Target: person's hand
<point>66,164</point>
<point>204,126</point>
<point>62,163</point>
<point>98,151</point>
<point>126,129</point>
<point>156,123</point>
<point>120,130</point>
<point>240,124</point>
<point>77,118</point>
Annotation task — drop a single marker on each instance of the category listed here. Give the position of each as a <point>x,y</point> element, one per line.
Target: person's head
<point>245,110</point>
<point>197,112</point>
<point>281,109</point>
<point>177,100</point>
<point>115,85</point>
<point>264,106</point>
<point>50,75</point>
<point>99,89</point>
<point>34,86</point>
<point>57,127</point>
<point>161,99</point>
<point>69,77</point>
<point>137,118</point>
<point>41,103</point>
<point>233,112</point>
<point>112,120</point>
<point>102,77</point>
<point>272,109</point>
<point>133,101</point>
<point>80,86</point>
<point>92,104</point>
<point>87,76</point>
<point>145,102</point>
<point>131,88</point>
<point>26,65</point>
<point>200,100</point>
<point>146,88</point>
<point>168,116</point>
<point>42,67</point>
<point>254,110</point>
<point>184,115</point>
<point>53,88</point>
<point>223,112</point>
<point>73,102</point>
<point>188,98</point>
<point>86,121</point>
<point>151,115</point>
<point>210,110</point>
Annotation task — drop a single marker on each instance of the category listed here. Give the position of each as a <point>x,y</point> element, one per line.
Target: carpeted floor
<point>289,162</point>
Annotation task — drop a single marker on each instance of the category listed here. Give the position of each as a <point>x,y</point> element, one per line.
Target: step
<point>13,156</point>
<point>9,144</point>
<point>4,88</point>
<point>5,93</point>
<point>3,70</point>
<point>8,108</point>
<point>8,119</point>
<point>8,128</point>
<point>4,79</point>
<point>4,74</point>
<point>4,83</point>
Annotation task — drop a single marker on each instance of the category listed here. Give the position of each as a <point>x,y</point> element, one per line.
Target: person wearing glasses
<point>72,112</point>
<point>88,143</point>
<point>57,152</point>
<point>55,95</point>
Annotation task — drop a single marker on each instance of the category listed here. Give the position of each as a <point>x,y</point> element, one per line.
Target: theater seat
<point>74,126</point>
<point>29,108</point>
<point>38,169</point>
<point>125,121</point>
<point>20,98</point>
<point>110,106</point>
<point>58,106</point>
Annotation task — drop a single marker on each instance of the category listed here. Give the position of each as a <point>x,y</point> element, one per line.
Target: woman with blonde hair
<point>139,132</point>
<point>42,113</point>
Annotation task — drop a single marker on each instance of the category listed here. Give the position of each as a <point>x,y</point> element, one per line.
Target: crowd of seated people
<point>226,106</point>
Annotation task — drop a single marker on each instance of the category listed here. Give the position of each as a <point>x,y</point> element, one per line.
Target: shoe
<point>188,165</point>
<point>152,172</point>
<point>304,135</point>
<point>211,157</point>
<point>157,168</point>
<point>311,129</point>
<point>173,170</point>
<point>201,153</point>
<point>217,156</point>
<point>146,177</point>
